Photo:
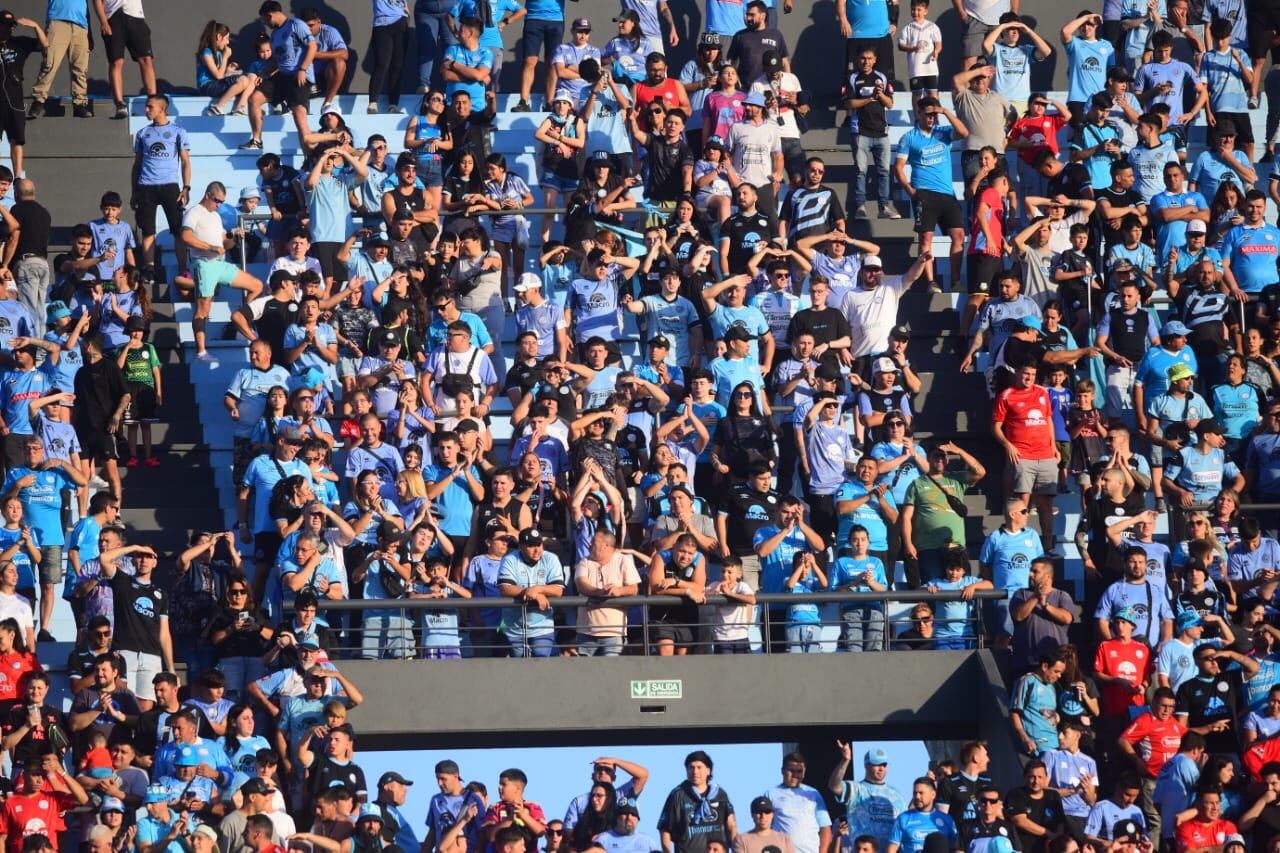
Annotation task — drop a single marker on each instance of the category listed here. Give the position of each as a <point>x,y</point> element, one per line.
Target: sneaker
<point>860,213</point>
<point>45,637</point>
<point>149,274</point>
<point>1161,506</point>
<point>522,106</point>
<point>82,111</point>
<point>395,110</point>
<point>204,356</point>
<point>372,109</point>
<point>121,112</point>
<point>278,109</point>
<point>213,110</point>
<point>326,107</point>
<point>151,462</point>
<point>934,287</point>
<point>1254,103</point>
<point>96,482</point>
<point>251,145</point>
<point>888,211</point>
<point>35,110</point>
<point>1267,156</point>
<point>133,462</point>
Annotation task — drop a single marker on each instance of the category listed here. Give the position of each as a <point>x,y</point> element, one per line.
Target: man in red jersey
<point>1207,831</point>
<point>1023,424</point>
<point>1122,669</point>
<point>47,792</point>
<point>1153,738</point>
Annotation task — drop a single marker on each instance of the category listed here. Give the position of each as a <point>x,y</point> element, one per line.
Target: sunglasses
<point>236,592</point>
<point>744,394</point>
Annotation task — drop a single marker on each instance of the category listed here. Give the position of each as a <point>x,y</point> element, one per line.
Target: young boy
<point>112,239</point>
<point>921,40</point>
<point>804,624</point>
<point>481,579</point>
<point>1086,427</point>
<point>1132,249</point>
<point>830,455</point>
<point>953,622</point>
<point>141,367</point>
<point>731,623</point>
<point>863,628</point>
<point>1012,60</point>
<point>1079,289</point>
<point>440,640</point>
<point>1060,400</point>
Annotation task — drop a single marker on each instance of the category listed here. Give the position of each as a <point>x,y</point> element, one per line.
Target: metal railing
<point>847,621</point>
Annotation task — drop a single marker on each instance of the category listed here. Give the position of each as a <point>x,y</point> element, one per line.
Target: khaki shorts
<point>1036,476</point>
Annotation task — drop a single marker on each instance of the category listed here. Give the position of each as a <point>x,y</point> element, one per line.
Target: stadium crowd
<point>1120,295</point>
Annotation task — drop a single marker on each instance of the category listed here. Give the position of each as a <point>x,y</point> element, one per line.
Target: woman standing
<point>563,136</point>
<point>427,135</point>
<point>387,40</point>
<point>505,191</point>
<point>241,634</point>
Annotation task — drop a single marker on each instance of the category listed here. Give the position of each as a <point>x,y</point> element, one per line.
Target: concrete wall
<point>811,32</point>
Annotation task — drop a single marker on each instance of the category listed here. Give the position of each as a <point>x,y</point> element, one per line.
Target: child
<point>1012,60</point>
<point>1086,427</point>
<point>481,578</point>
<point>863,628</point>
<point>112,239</point>
<point>358,405</point>
<point>20,545</point>
<point>1230,77</point>
<point>1060,399</point>
<point>440,640</point>
<point>1076,280</point>
<point>141,367</point>
<point>921,40</point>
<point>804,625</point>
<point>731,623</point>
<point>1132,249</point>
<point>953,624</point>
<point>314,454</point>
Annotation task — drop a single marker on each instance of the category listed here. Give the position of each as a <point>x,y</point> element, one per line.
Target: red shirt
<point>1197,833</point>
<point>668,92</point>
<point>500,811</point>
<point>1130,661</point>
<point>1260,755</point>
<point>1155,741</point>
<point>978,243</point>
<point>29,814</point>
<point>1027,416</point>
<point>1042,132</point>
<point>15,667</point>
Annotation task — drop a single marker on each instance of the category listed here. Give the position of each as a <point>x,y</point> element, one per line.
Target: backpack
<point>393,584</point>
<point>455,383</point>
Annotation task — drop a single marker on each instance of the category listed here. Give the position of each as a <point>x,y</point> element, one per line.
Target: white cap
<point>884,365</point>
<point>528,281</point>
<point>1197,226</point>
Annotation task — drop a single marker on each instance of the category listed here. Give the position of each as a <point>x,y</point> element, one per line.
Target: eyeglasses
<point>897,423</point>
<point>1197,523</point>
<point>987,802</point>
<point>551,831</point>
<point>782,275</point>
<point>924,620</point>
<point>236,593</point>
<point>814,170</point>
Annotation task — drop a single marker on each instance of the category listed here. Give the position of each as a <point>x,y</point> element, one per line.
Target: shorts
<point>970,163</point>
<point>211,272</point>
<point>218,88</point>
<point>266,545</point>
<point>541,36</point>
<point>975,32</point>
<point>935,210</point>
<point>285,90</point>
<point>1036,476</point>
<point>348,366</point>
<point>1064,450</point>
<point>924,84</point>
<point>330,267</point>
<point>430,171</point>
<point>982,272</point>
<point>552,181</point>
<point>128,32</point>
<point>98,446</point>
<point>14,124</point>
<point>50,565</point>
<point>1244,126</point>
<point>142,404</point>
<point>681,635</point>
<point>142,668</point>
<point>149,197</point>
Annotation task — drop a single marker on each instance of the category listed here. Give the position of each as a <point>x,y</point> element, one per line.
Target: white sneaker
<point>97,482</point>
<point>203,355</point>
<point>372,109</point>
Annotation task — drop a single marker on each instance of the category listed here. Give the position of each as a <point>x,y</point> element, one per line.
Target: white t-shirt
<point>296,267</point>
<point>731,622</point>
<point>788,84</point>
<point>988,11</point>
<point>872,314</point>
<point>17,608</point>
<point>752,147</point>
<point>132,8</point>
<point>923,36</point>
<point>207,226</point>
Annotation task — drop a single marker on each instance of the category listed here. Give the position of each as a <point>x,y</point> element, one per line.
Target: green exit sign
<point>653,689</point>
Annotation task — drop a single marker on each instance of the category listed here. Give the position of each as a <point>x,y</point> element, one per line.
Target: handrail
<point>567,601</point>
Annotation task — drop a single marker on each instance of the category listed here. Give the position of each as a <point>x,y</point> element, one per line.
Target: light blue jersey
<point>929,156</point>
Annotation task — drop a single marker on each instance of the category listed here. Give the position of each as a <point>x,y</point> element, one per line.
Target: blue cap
<point>1031,321</point>
<point>56,311</point>
<point>1128,614</point>
<point>186,757</point>
<point>370,812</point>
<point>755,99</point>
<point>156,794</point>
<point>111,804</point>
<point>876,757</point>
<point>1173,327</point>
<point>312,377</point>
<point>1189,619</point>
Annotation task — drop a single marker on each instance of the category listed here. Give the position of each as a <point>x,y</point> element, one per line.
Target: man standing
<point>101,400</point>
<point>543,33</point>
<point>868,25</point>
<point>14,51</point>
<point>926,148</point>
<point>872,806</point>
<point>756,148</point>
<point>870,93</point>
<point>290,69</point>
<point>983,112</point>
<point>161,179</point>
<point>1022,424</point>
<point>1040,614</point>
<point>749,45</point>
<point>1250,249</point>
<point>798,809</point>
<point>141,623</point>
<point>68,22</point>
<point>27,249</point>
<point>124,27</point>
<point>205,237</point>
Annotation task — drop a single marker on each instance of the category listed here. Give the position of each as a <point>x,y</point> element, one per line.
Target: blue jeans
<point>871,152</point>
<point>536,647</point>
<point>387,637</point>
<point>599,647</point>
<point>804,639</point>
<point>863,629</point>
<point>429,19</point>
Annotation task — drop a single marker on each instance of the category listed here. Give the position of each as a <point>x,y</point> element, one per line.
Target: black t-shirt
<point>81,662</point>
<point>1045,811</point>
<point>522,376</point>
<point>245,632</point>
<point>487,515</point>
<point>36,229</point>
<point>1206,701</point>
<point>13,55</point>
<point>666,162</point>
<point>870,119</point>
<point>138,608</point>
<point>748,47</point>
<point>633,453</point>
<point>1117,199</point>
<point>469,134</point>
<point>743,441</point>
<point>284,192</point>
<point>959,792</point>
<point>34,741</point>
<point>325,773</point>
<point>744,231</point>
<point>409,249</point>
<point>812,211</point>
<point>276,318</point>
<point>1266,827</point>
<point>1102,513</point>
<point>690,826</point>
<point>99,387</point>
<point>1073,182</point>
<point>602,450</point>
<point>746,511</point>
<point>825,325</point>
